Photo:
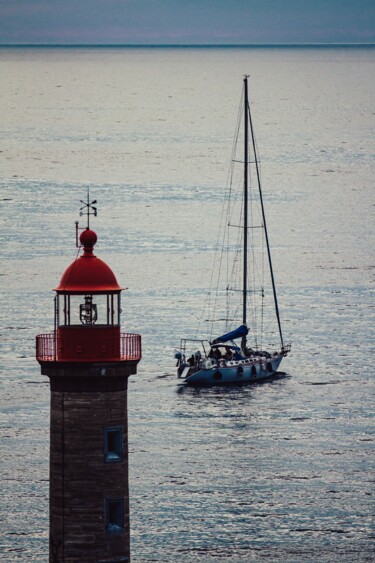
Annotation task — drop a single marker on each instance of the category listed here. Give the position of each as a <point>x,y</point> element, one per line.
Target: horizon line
<point>190,45</point>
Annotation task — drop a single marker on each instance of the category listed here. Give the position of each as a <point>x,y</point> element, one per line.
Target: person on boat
<point>265,354</point>
<point>180,358</point>
<point>248,352</point>
<point>228,354</point>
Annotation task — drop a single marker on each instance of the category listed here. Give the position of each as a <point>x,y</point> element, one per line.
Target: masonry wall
<point>80,477</point>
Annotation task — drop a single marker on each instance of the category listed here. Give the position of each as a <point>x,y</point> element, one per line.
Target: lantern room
<point>88,294</point>
<point>87,314</point>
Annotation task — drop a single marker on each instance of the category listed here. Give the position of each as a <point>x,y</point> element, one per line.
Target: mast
<point>245,201</point>
<point>264,219</point>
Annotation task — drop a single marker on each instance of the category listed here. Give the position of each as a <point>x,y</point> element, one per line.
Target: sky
<point>192,22</point>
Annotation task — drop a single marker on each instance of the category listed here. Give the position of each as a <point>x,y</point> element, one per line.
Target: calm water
<point>282,471</point>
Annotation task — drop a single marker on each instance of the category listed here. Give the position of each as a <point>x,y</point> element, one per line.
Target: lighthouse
<point>88,361</point>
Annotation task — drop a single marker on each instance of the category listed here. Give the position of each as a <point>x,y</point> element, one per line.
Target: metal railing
<point>50,348</point>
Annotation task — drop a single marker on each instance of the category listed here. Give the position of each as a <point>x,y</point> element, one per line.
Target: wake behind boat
<point>238,355</point>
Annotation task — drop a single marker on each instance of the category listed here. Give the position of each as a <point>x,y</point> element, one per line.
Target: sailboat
<point>238,355</point>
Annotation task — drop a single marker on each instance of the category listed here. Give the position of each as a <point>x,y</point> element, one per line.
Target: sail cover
<point>237,333</point>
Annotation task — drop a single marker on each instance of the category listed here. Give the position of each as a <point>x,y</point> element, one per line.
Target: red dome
<point>88,274</point>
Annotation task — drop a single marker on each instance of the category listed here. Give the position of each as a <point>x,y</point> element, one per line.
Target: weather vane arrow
<point>88,208</point>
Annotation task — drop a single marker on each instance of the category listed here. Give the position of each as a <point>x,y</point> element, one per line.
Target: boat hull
<point>235,372</point>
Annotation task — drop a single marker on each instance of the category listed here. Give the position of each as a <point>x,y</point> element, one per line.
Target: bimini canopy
<point>237,333</point>
<point>226,346</point>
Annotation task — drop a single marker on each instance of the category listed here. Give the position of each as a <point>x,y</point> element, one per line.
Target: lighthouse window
<point>113,444</point>
<point>113,309</point>
<point>114,516</point>
<point>88,310</point>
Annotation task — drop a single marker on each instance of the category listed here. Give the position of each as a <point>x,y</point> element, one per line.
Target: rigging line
<point>249,161</point>
<point>257,272</point>
<point>206,306</point>
<point>249,226</point>
<point>234,261</point>
<point>256,275</point>
<point>235,214</point>
<point>251,291</point>
<point>228,198</point>
<point>265,228</point>
<point>221,234</point>
<point>263,274</point>
<point>218,262</point>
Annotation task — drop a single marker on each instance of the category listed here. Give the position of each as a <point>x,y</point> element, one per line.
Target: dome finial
<point>88,238</point>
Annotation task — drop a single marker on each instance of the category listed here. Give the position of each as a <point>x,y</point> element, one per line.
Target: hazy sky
<point>187,21</point>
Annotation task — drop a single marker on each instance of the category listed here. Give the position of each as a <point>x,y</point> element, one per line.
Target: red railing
<point>50,348</point>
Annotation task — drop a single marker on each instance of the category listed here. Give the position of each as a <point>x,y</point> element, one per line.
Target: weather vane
<point>87,209</point>
<point>87,206</point>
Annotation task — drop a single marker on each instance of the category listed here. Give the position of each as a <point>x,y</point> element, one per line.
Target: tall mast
<point>245,202</point>
<point>264,224</point>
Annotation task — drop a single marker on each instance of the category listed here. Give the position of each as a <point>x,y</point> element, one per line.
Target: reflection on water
<point>280,470</point>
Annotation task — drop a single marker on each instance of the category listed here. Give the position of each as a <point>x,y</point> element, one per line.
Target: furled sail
<point>237,333</point>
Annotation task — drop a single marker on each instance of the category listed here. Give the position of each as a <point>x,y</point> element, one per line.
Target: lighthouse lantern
<point>88,309</point>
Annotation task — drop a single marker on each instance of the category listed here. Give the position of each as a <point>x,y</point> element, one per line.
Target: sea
<point>281,471</point>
